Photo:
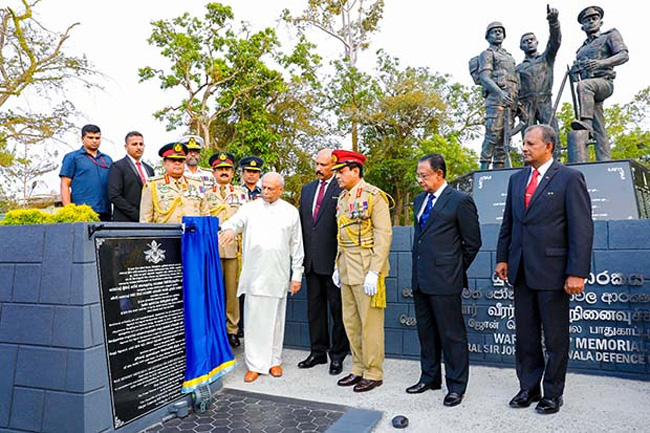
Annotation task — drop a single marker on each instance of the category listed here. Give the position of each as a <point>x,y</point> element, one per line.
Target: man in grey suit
<point>125,179</point>
<point>318,201</point>
<point>446,240</point>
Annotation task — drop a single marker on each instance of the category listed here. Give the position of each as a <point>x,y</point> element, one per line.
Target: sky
<point>442,36</point>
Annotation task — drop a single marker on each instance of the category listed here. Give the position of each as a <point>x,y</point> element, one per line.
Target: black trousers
<point>322,292</point>
<point>441,330</point>
<point>537,313</point>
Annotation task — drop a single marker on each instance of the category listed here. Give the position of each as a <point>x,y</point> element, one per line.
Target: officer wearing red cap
<point>224,200</point>
<point>594,64</point>
<point>365,235</point>
<point>169,197</point>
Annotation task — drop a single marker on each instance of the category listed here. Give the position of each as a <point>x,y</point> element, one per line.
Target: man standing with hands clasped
<point>544,250</point>
<point>446,240</point>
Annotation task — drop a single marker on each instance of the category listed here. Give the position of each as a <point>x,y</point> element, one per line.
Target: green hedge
<point>71,213</point>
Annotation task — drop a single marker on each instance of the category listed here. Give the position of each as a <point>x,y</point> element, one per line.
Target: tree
<point>33,61</point>
<point>351,22</point>
<point>223,73</point>
<point>628,128</point>
<point>409,118</point>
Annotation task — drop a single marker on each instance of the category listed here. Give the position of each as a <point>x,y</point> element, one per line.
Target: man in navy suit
<point>319,229</point>
<point>446,241</point>
<point>544,250</point>
<point>125,180</point>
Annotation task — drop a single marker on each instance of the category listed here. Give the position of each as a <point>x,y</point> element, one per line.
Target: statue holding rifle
<point>593,74</point>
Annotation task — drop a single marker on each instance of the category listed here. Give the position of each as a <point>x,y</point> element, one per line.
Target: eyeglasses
<point>419,176</point>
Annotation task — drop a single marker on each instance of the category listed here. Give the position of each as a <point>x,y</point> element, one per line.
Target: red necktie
<point>142,176</point>
<point>532,186</point>
<point>319,199</point>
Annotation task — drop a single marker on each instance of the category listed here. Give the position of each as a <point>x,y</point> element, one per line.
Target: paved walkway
<point>592,403</point>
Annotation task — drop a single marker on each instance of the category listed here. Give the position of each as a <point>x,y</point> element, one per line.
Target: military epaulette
<point>193,176</point>
<point>156,178</point>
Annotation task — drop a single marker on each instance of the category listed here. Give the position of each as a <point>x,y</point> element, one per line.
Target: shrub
<point>71,213</point>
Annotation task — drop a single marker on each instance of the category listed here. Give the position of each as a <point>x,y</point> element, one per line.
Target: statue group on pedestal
<point>524,90</point>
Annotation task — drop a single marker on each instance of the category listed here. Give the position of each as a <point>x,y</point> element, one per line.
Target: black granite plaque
<point>142,304</point>
<point>618,190</point>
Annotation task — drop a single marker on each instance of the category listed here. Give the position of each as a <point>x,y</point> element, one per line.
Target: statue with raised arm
<point>536,77</point>
<point>593,72</point>
<point>500,87</point>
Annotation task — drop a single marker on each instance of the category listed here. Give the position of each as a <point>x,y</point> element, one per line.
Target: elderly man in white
<point>271,247</point>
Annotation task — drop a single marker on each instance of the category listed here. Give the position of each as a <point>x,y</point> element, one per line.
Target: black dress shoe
<point>547,406</point>
<point>420,387</point>
<point>452,399</point>
<point>234,340</point>
<point>349,380</point>
<point>365,385</point>
<point>524,398</point>
<point>312,361</point>
<point>336,367</point>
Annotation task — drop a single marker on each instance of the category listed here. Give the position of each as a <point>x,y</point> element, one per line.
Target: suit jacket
<point>125,189</point>
<point>319,237</point>
<point>554,235</point>
<point>447,245</point>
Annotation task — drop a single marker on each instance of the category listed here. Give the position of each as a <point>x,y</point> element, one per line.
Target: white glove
<point>336,278</point>
<point>370,284</point>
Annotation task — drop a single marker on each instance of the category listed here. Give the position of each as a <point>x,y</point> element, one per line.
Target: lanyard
<point>103,163</point>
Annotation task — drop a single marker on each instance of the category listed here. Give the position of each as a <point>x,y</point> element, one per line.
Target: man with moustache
<point>318,220</point>
<point>126,178</point>
<point>224,200</point>
<point>167,198</point>
<point>194,144</point>
<point>544,250</point>
<point>365,235</point>
<point>272,246</point>
<point>84,174</point>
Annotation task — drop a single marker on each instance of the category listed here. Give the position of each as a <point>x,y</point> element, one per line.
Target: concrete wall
<point>53,368</point>
<point>610,328</point>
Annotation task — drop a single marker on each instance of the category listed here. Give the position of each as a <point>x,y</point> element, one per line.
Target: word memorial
<point>609,324</point>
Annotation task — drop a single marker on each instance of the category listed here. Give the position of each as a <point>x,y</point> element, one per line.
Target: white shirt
<point>144,170</point>
<point>271,246</point>
<point>542,170</point>
<point>318,187</point>
<point>436,194</point>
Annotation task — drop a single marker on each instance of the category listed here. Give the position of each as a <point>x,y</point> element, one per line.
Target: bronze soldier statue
<point>536,77</point>
<point>500,87</point>
<point>593,72</point>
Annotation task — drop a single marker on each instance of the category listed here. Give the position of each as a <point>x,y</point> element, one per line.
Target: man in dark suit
<point>446,240</point>
<point>544,250</point>
<point>125,180</point>
<point>318,220</point>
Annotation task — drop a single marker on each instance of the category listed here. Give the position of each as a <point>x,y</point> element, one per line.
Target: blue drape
<point>208,353</point>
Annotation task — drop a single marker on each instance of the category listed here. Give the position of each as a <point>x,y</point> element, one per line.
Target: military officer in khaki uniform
<point>364,237</point>
<point>167,198</point>
<point>194,145</point>
<point>224,200</point>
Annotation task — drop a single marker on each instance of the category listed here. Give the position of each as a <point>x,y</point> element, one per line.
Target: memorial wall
<point>609,322</point>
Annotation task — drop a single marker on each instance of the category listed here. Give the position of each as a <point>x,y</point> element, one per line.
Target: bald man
<point>272,245</point>
<point>318,220</point>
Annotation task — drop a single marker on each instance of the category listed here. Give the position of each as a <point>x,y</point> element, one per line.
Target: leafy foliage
<point>68,214</point>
